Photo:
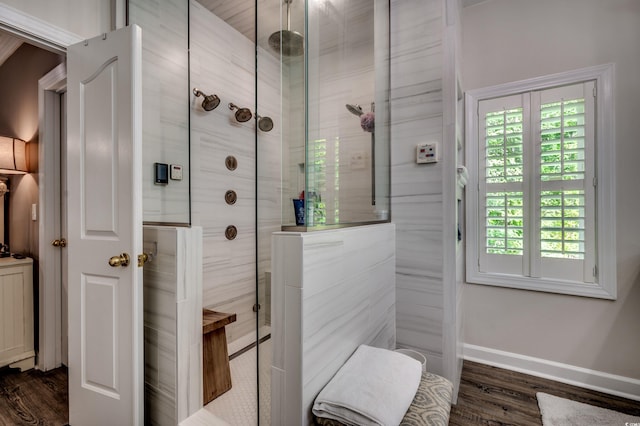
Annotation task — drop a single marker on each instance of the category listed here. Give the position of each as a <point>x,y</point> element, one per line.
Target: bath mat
<point>558,411</point>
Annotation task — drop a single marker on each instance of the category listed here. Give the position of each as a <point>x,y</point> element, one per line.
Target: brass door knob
<point>59,243</point>
<point>122,260</point>
<point>142,259</point>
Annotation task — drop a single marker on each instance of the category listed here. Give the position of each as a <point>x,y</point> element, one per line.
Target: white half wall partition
<point>172,326</point>
<point>331,291</point>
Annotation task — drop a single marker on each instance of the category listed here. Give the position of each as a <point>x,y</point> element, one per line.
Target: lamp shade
<point>13,156</point>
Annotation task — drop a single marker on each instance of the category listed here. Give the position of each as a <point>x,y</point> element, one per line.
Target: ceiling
<point>241,16</point>
<point>466,3</point>
<point>8,45</point>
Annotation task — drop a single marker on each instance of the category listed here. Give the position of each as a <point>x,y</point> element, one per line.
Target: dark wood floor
<point>488,396</point>
<point>34,397</point>
<point>493,396</point>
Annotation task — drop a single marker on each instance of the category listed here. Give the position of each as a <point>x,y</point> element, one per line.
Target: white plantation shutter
<point>565,198</point>
<point>541,192</point>
<point>502,125</point>
<point>535,184</point>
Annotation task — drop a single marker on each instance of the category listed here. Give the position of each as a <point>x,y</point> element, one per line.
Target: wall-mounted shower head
<point>210,101</point>
<point>264,123</point>
<point>242,114</point>
<point>355,109</point>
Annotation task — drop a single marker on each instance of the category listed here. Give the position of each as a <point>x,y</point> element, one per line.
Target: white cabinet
<point>16,313</point>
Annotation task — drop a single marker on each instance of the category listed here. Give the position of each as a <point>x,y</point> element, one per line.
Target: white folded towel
<point>374,387</point>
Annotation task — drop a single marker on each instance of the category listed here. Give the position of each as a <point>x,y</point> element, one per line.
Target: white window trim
<point>606,287</point>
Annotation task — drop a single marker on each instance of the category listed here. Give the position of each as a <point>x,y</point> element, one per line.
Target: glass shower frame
<point>339,162</point>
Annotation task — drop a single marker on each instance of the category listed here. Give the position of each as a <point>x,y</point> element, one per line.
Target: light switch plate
<point>427,153</point>
<point>176,172</point>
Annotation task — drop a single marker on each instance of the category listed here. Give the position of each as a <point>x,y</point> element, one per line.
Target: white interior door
<point>104,183</point>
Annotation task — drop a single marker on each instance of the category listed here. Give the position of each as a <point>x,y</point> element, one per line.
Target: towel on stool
<point>374,387</point>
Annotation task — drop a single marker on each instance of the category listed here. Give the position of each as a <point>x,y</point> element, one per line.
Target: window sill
<point>572,288</point>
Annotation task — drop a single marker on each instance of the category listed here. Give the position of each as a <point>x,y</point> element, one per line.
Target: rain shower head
<point>355,109</point>
<point>242,114</point>
<point>210,101</point>
<point>287,42</point>
<point>265,123</point>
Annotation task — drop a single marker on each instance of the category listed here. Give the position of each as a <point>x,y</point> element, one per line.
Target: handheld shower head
<point>265,123</point>
<point>355,109</point>
<point>210,102</point>
<point>242,114</point>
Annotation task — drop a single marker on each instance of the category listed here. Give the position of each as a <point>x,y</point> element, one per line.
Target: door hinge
<point>595,271</point>
<point>595,91</point>
<point>595,181</point>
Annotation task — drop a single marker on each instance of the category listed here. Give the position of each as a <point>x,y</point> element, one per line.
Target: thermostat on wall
<point>426,153</point>
<point>160,171</point>
<point>176,172</point>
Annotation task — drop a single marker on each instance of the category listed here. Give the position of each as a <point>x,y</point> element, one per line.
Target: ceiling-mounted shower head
<point>242,114</point>
<point>355,109</point>
<point>210,101</point>
<point>287,42</point>
<point>264,123</point>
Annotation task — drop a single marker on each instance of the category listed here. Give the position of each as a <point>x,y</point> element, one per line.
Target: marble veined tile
<point>173,325</point>
<point>227,68</point>
<point>164,118</point>
<point>341,294</point>
<point>417,79</point>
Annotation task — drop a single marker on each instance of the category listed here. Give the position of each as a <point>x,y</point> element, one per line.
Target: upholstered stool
<point>430,406</point>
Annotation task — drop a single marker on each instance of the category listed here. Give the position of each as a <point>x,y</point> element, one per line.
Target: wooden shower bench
<point>216,371</point>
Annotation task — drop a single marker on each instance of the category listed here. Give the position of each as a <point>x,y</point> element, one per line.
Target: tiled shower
<point>223,61</point>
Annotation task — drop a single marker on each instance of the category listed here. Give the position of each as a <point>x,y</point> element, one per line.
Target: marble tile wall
<point>417,190</point>
<point>172,333</point>
<point>226,67</point>
<point>165,96</point>
<point>331,291</point>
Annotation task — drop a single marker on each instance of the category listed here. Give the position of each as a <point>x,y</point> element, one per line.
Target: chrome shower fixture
<point>210,102</point>
<point>242,114</point>
<point>355,109</point>
<point>264,123</point>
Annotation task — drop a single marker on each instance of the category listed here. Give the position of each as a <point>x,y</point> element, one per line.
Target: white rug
<point>558,411</point>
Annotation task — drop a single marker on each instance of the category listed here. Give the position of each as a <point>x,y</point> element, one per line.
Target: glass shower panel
<point>225,152</point>
<point>165,100</point>
<point>347,140</point>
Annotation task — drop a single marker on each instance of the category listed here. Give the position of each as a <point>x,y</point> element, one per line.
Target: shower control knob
<point>231,197</point>
<point>231,232</point>
<point>231,162</point>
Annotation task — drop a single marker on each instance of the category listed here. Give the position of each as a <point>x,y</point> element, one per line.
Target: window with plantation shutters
<point>534,220</point>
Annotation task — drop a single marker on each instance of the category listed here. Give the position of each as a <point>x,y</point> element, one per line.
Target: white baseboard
<point>590,379</point>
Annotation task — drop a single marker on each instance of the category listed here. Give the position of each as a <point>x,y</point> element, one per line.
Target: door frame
<point>42,34</point>
<point>49,37</point>
<point>50,88</point>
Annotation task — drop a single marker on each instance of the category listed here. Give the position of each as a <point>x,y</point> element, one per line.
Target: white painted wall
<point>506,40</point>
<point>86,18</point>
